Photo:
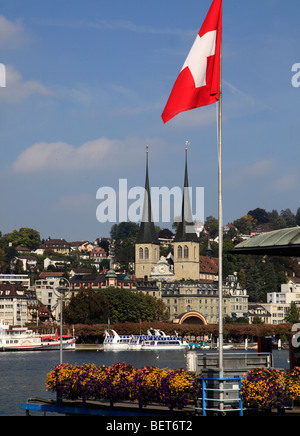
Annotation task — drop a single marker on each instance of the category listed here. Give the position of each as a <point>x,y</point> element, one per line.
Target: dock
<point>89,347</point>
<point>101,408</point>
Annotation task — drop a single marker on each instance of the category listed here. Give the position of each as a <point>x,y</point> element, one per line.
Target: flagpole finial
<point>147,148</point>
<point>186,144</point>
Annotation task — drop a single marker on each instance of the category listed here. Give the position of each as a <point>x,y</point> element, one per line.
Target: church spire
<point>185,229</point>
<point>147,233</point>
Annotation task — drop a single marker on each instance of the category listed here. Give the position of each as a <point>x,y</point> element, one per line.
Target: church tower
<point>147,244</point>
<point>186,244</point>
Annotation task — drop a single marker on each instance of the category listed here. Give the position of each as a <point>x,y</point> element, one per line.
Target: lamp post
<point>61,288</point>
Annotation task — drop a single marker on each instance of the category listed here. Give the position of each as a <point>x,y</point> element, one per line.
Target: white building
<point>19,279</point>
<point>278,303</point>
<point>45,293</point>
<point>14,304</point>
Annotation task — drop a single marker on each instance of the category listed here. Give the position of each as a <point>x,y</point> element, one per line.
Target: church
<point>182,287</point>
<point>148,264</point>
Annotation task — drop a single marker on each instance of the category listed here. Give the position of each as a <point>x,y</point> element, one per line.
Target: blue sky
<point>87,82</point>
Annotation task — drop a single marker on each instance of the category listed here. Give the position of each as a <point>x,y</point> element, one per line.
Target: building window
<point>179,252</point>
<point>141,253</point>
<point>146,253</point>
<point>186,252</point>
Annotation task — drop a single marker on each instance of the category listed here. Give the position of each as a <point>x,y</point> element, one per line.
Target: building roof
<point>147,233</point>
<point>208,265</point>
<point>56,243</point>
<point>282,242</point>
<point>12,290</point>
<point>44,275</point>
<point>185,229</point>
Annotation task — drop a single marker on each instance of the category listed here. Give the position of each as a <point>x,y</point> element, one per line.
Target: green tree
<point>245,224</point>
<point>87,307</point>
<point>124,230</point>
<point>128,306</point>
<point>298,217</point>
<point>212,226</point>
<point>288,217</point>
<point>242,278</point>
<point>292,314</point>
<point>25,237</point>
<point>269,278</point>
<point>260,215</point>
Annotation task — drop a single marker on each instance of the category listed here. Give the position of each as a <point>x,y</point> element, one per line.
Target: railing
<point>222,399</point>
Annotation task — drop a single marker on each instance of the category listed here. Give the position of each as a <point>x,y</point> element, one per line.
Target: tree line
<point>113,304</point>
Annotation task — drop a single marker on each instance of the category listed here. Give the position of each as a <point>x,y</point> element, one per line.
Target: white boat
<point>113,341</point>
<point>161,341</point>
<point>156,340</point>
<point>23,339</point>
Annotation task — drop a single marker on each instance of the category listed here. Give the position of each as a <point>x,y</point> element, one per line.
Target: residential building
<point>278,303</point>
<point>277,312</point>
<point>257,311</point>
<point>57,262</point>
<point>44,289</point>
<point>60,246</point>
<point>16,304</point>
<point>97,254</point>
<point>21,279</point>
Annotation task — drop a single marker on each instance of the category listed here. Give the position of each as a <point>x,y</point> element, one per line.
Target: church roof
<point>147,233</point>
<point>185,230</point>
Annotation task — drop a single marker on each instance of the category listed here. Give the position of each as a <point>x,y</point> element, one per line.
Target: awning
<point>282,242</point>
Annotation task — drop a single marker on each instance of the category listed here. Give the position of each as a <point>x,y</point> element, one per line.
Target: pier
<point>89,347</point>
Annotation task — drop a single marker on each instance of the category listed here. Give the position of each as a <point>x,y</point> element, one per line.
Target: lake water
<point>23,375</point>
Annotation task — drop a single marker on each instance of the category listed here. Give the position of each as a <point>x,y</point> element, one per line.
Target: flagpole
<point>220,213</point>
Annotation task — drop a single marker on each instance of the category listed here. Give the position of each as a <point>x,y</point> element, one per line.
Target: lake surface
<point>23,375</point>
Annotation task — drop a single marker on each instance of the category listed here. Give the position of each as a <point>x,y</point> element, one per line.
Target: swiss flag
<point>198,83</point>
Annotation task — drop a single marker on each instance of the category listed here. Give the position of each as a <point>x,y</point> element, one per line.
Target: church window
<point>179,252</point>
<point>141,253</point>
<point>146,253</point>
<point>186,252</point>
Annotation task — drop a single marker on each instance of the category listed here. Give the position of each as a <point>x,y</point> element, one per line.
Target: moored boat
<point>23,339</point>
<point>154,340</point>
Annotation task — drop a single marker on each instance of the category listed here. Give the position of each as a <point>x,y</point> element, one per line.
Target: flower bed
<point>123,382</point>
<point>267,388</point>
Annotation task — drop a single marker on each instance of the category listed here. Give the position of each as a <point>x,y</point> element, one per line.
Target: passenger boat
<point>113,341</point>
<point>154,340</point>
<point>23,339</point>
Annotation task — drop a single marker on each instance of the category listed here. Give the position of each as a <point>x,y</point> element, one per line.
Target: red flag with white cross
<point>198,83</point>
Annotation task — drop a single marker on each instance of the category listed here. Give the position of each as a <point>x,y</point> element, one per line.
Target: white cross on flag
<point>198,83</point>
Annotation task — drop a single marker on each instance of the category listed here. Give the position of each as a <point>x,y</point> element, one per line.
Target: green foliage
<point>292,314</point>
<point>25,237</point>
<point>119,305</point>
<point>128,306</point>
<point>87,307</point>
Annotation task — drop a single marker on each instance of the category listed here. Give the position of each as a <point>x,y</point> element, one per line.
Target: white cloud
<point>60,157</point>
<point>12,34</point>
<point>285,183</point>
<point>18,89</point>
